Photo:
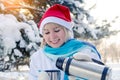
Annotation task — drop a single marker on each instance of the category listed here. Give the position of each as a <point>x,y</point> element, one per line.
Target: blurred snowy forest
<point>19,35</point>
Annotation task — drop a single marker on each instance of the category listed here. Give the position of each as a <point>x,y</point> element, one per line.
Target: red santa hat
<point>56,14</point>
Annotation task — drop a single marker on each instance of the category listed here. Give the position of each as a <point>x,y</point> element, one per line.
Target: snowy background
<point>11,34</point>
<point>19,40</point>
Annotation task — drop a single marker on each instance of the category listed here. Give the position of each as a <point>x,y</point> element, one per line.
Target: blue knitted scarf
<point>68,49</point>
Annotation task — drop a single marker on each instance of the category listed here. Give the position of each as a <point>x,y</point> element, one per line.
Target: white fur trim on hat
<point>56,20</point>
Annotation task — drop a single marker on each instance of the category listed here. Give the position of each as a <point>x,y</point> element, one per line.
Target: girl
<point>56,28</point>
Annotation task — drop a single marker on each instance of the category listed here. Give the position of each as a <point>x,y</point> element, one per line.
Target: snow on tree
<point>18,39</point>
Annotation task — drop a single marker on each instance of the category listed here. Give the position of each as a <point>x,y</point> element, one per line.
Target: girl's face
<point>54,35</point>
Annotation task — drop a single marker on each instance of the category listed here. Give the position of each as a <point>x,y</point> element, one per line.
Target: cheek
<point>45,38</point>
<point>62,35</point>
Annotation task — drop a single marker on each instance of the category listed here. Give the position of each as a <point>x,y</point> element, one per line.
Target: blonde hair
<point>68,34</point>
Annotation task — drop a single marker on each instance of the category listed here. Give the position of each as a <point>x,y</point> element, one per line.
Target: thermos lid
<point>59,62</point>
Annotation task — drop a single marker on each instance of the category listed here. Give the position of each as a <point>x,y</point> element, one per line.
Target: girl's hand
<point>82,57</point>
<point>85,57</point>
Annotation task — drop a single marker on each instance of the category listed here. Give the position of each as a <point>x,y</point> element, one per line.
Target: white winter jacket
<point>38,62</point>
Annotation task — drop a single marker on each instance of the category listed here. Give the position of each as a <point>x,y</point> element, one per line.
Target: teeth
<point>55,40</point>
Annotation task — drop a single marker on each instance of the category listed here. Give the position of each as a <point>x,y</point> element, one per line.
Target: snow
<point>13,75</point>
<point>12,31</point>
<point>14,34</point>
<point>22,74</point>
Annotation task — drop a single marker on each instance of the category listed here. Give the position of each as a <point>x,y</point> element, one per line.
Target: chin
<point>55,46</point>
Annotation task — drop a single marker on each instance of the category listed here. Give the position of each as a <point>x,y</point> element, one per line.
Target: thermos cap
<point>59,62</point>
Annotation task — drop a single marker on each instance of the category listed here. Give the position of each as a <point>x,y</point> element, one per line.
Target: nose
<point>52,35</point>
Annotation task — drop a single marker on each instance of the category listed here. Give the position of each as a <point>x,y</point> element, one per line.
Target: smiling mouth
<point>55,41</point>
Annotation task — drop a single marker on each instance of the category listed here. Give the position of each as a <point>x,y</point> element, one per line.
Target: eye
<point>46,32</point>
<point>57,29</point>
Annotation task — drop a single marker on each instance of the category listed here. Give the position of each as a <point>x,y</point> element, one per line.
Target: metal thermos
<point>84,69</point>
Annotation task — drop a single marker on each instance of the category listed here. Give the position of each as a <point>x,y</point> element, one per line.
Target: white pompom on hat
<point>56,14</point>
